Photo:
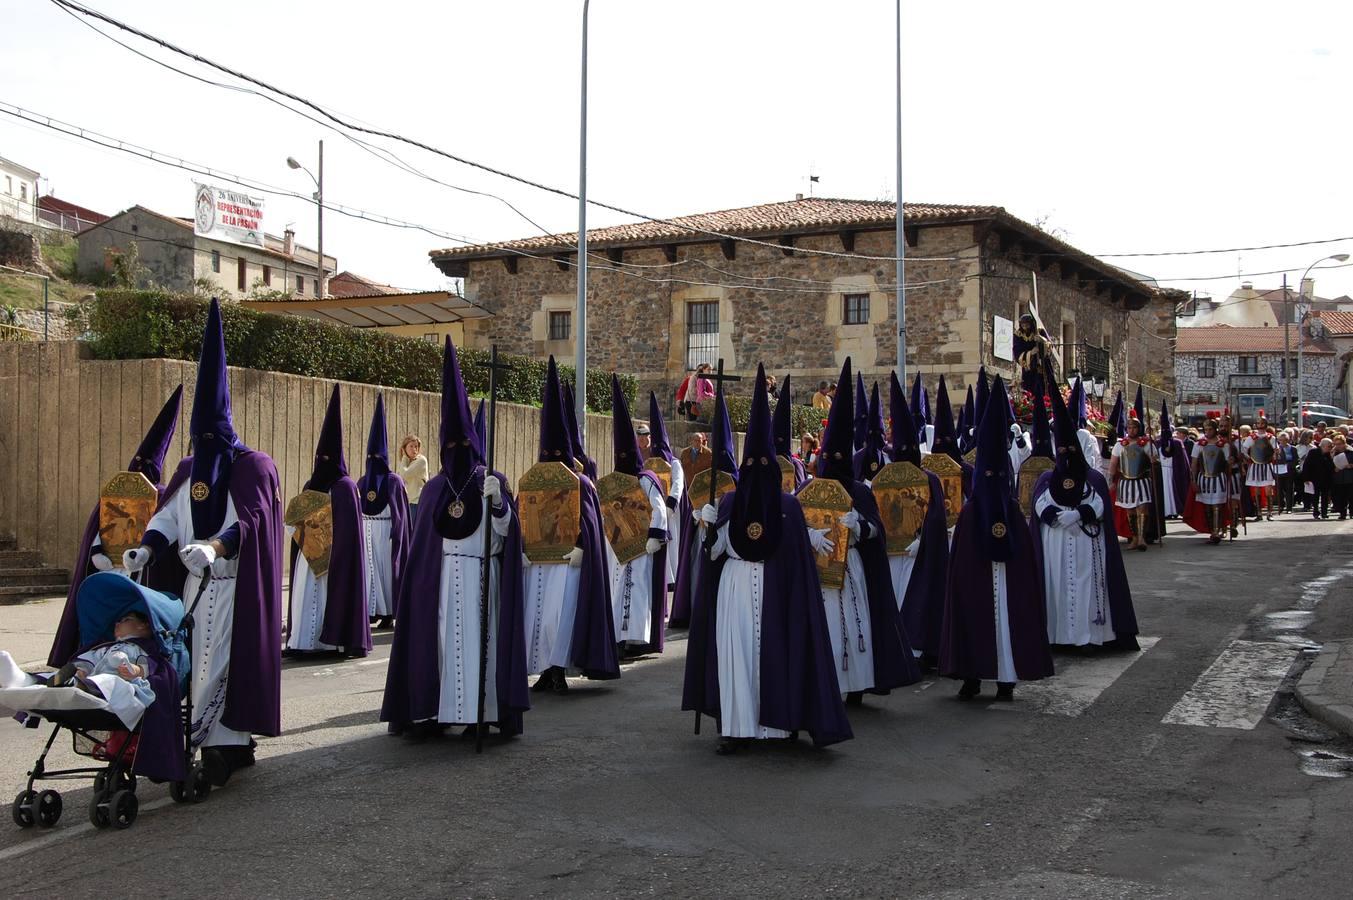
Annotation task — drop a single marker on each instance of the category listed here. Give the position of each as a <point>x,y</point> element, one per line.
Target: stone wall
<point>1150,338</point>
<point>1318,376</point>
<point>68,423</point>
<point>786,310</point>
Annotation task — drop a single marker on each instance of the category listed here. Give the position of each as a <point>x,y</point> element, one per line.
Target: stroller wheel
<point>194,790</point>
<point>122,809</point>
<point>22,809</point>
<point>124,781</point>
<point>47,808</point>
<point>99,815</point>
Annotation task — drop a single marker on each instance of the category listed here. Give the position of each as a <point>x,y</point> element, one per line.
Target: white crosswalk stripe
<point>1078,683</point>
<point>1235,691</point>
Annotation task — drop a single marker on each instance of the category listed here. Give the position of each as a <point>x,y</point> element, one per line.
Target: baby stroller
<point>157,747</point>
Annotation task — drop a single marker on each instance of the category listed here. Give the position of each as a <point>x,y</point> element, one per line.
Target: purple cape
<point>165,574</point>
<point>894,663</point>
<point>401,532</point>
<point>923,606</point>
<point>413,681</point>
<point>689,563</point>
<point>798,677</point>
<point>594,652</point>
<point>254,690</point>
<point>346,623</point>
<point>1115,576</point>
<point>968,641</point>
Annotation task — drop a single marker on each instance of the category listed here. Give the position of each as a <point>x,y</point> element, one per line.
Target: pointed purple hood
<point>721,436</point>
<point>754,528</point>
<point>215,443</point>
<point>1042,445</point>
<point>481,430</point>
<point>460,451</point>
<point>991,493</point>
<point>983,395</point>
<point>149,458</point>
<point>575,436</point>
<point>782,424</point>
<point>556,444</point>
<point>1139,407</point>
<point>1068,480</point>
<point>860,431</point>
<point>837,453</point>
<point>371,488</point>
<point>628,457</point>
<point>1081,416</point>
<point>1117,419</point>
<point>1166,440</point>
<point>945,439</point>
<point>906,448</point>
<point>330,464</point>
<point>659,444</point>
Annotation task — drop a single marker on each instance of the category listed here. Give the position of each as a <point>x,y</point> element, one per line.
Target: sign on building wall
<point>1003,347</point>
<point>227,215</point>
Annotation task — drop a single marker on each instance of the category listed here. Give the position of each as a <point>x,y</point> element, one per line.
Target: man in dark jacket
<point>1318,470</point>
<point>1341,481</point>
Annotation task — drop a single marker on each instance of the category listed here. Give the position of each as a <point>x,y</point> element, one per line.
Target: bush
<point>802,418</point>
<point>148,324</point>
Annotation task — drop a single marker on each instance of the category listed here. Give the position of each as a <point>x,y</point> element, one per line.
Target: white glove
<point>197,557</point>
<point>101,562</point>
<point>135,559</point>
<point>821,544</point>
<point>912,547</point>
<point>493,490</point>
<point>709,514</point>
<point>852,521</point>
<point>1068,517</point>
<point>525,560</point>
<point>653,546</point>
<point>575,557</point>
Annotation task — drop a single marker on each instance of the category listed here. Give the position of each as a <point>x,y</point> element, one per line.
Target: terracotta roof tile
<point>1229,339</point>
<point>1337,321</point>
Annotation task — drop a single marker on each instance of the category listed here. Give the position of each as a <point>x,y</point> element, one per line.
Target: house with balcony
<point>1248,369</point>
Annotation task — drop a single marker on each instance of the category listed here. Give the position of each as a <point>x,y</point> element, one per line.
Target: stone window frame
<point>216,261</point>
<point>554,317</point>
<point>1207,367</point>
<point>689,320</point>
<point>1244,368</point>
<point>300,284</point>
<point>1282,367</point>
<point>855,308</point>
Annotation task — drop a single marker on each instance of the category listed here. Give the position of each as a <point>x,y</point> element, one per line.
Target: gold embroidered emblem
<point>998,530</point>
<point>754,531</point>
<point>200,491</point>
<point>370,496</point>
<point>1068,483</point>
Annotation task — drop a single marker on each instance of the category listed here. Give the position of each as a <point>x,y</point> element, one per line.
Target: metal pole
<point>900,238</point>
<point>1287,347</point>
<point>46,314</point>
<point>319,204</point>
<point>580,332</point>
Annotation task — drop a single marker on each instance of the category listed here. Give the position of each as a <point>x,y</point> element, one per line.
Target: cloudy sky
<point>1130,128</point>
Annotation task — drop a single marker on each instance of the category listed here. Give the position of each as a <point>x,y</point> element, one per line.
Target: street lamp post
<point>580,331</point>
<point>1301,343</point>
<point>319,205</point>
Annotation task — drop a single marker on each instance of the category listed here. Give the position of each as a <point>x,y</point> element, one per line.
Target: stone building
<point>811,286</point>
<point>174,257</point>
<point>1218,366</point>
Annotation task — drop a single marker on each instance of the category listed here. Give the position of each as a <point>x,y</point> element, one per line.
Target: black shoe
<point>1005,691</point>
<point>855,698</point>
<point>560,685</point>
<point>545,681</point>
<point>971,688</point>
<point>728,746</point>
<point>216,767</point>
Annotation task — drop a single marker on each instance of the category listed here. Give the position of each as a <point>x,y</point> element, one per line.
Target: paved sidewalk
<point>1326,690</point>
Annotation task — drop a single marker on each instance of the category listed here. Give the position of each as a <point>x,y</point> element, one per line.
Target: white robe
<point>458,625</point>
<point>900,566</point>
<point>1005,655</point>
<point>1074,578</point>
<point>305,610</point>
<point>551,608</point>
<point>674,523</point>
<point>213,621</point>
<point>632,582</point>
<point>848,624</point>
<point>737,640</point>
<point>380,574</point>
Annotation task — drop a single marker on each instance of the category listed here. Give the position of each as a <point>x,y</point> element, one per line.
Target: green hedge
<point>802,418</point>
<point>148,324</point>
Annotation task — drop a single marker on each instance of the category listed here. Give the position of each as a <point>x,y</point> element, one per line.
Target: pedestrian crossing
<point>1235,691</point>
<point>1080,680</point>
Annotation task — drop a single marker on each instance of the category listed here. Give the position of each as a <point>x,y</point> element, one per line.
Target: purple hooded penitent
<point>222,466</point>
<point>481,429</point>
<point>381,489</point>
<point>659,444</point>
<point>1117,418</point>
<point>166,573</point>
<point>870,458</point>
<point>923,602</point>
<point>782,427</point>
<point>920,404</point>
<point>1172,448</point>
<point>860,430</point>
<point>413,681</point>
<point>991,529</point>
<point>798,688</point>
<point>692,557</point>
<point>629,459</point>
<point>1042,444</point>
<point>345,615</point>
<point>575,433</point>
<point>894,663</point>
<point>1069,484</point>
<point>1082,417</point>
<point>967,423</point>
<point>983,395</point>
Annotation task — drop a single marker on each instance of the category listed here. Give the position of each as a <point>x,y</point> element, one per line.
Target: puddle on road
<point>1326,763</point>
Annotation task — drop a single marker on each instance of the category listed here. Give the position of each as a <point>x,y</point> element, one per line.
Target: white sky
<point>1148,126</point>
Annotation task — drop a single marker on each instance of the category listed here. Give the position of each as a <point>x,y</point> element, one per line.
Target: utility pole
<point>580,332</point>
<point>1287,349</point>
<point>900,238</point>
<point>319,204</point>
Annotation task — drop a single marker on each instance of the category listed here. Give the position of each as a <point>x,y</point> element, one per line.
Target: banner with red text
<point>227,215</point>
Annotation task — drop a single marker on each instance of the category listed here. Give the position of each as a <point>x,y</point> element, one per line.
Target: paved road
<point>1157,775</point>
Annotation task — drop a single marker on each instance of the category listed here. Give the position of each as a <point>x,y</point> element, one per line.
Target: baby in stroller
<point>132,720</point>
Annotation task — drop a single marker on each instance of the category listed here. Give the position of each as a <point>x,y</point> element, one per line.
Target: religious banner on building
<point>311,514</point>
<point>549,497</point>
<point>226,215</point>
<point>126,505</point>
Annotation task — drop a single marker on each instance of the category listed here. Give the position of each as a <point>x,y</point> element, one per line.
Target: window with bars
<point>855,309</point>
<point>1207,367</point>
<point>300,284</point>
<point>560,324</point>
<point>267,275</point>
<point>242,279</point>
<point>702,333</point>
<point>1283,365</point>
<point>1247,365</point>
<point>216,261</point>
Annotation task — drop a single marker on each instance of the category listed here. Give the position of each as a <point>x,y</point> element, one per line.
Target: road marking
<point>1236,689</point>
<point>1078,683</point>
<point>59,834</point>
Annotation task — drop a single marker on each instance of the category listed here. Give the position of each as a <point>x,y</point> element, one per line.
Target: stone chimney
<point>798,196</point>
<point>289,242</point>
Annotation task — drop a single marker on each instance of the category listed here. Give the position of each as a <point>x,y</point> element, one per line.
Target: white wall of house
<point>18,191</point>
